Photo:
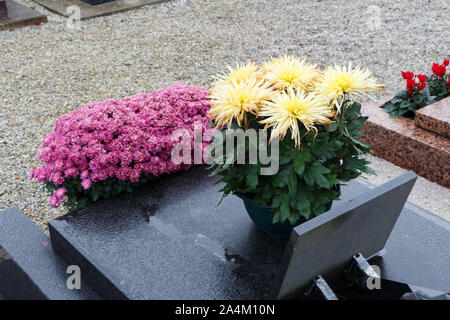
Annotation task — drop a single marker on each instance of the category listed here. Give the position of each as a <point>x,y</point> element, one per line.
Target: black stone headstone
<point>3,9</point>
<point>325,245</point>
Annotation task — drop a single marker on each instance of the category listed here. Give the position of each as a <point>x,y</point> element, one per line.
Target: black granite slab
<point>169,240</point>
<point>34,270</point>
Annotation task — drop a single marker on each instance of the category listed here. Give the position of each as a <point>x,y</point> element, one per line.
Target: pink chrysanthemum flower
<point>122,139</point>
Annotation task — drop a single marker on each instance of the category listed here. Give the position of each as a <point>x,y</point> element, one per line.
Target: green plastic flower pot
<point>262,217</point>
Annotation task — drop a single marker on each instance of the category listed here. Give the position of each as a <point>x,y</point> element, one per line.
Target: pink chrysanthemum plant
<point>105,148</point>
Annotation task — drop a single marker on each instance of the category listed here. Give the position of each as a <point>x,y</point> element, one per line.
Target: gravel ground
<point>50,70</point>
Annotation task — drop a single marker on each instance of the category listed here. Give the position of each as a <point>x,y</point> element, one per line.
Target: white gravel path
<point>49,70</point>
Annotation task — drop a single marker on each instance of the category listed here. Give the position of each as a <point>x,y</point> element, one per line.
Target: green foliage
<point>80,198</point>
<point>437,88</point>
<point>402,105</point>
<point>405,105</point>
<point>309,177</point>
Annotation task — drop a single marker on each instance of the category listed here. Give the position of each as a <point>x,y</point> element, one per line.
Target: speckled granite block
<point>401,142</point>
<point>435,117</point>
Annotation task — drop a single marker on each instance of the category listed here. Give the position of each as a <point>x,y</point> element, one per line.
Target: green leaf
<point>277,182</point>
<point>318,173</point>
<point>293,218</point>
<point>403,94</point>
<point>333,127</point>
<point>303,205</point>
<point>357,123</point>
<point>332,179</point>
<point>95,195</point>
<point>309,177</point>
<point>389,107</point>
<point>396,99</point>
<point>292,182</point>
<point>315,174</point>
<point>322,181</point>
<point>395,114</point>
<point>277,201</point>
<point>276,217</point>
<point>284,209</point>
<point>405,104</point>
<point>299,164</point>
<point>284,175</point>
<point>252,178</point>
<point>354,109</point>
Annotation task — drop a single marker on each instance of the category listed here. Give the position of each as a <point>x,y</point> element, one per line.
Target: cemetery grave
<point>14,15</point>
<point>94,8</point>
<point>421,144</point>
<point>131,235</point>
<point>151,245</point>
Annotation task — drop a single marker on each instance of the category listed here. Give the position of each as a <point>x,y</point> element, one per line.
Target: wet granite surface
<point>435,117</point>
<point>169,240</point>
<point>401,142</point>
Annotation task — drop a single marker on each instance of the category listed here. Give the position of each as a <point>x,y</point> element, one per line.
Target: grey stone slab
<point>20,16</point>
<point>34,270</point>
<point>90,11</point>
<point>324,245</point>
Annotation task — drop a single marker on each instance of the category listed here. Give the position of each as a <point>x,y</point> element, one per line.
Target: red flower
<point>446,62</point>
<point>448,81</point>
<point>410,83</point>
<point>421,86</point>
<point>439,70</point>
<point>407,75</point>
<point>422,77</point>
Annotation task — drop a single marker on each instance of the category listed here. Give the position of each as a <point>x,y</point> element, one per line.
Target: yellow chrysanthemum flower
<point>242,73</point>
<point>286,109</point>
<point>289,72</point>
<point>233,100</point>
<point>338,82</point>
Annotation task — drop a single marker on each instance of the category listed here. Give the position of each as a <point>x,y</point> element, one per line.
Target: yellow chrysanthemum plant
<point>306,120</point>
